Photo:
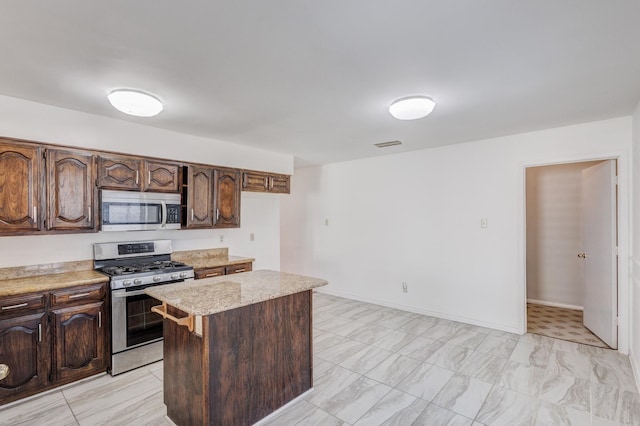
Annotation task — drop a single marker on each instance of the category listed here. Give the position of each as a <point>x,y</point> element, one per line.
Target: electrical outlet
<point>483,223</point>
<point>222,238</point>
<point>326,222</point>
<point>404,287</point>
<point>251,237</point>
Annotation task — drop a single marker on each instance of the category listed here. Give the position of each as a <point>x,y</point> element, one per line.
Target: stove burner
<point>159,265</point>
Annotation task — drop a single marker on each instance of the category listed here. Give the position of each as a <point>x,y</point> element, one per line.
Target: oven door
<point>133,324</point>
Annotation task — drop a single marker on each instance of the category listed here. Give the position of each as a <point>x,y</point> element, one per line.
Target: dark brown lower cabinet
<point>24,351</point>
<point>249,362</point>
<point>78,342</point>
<point>223,270</point>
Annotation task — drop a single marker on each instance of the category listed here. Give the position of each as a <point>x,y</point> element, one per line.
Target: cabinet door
<point>70,190</point>
<point>19,187</point>
<point>24,350</point>
<point>279,184</point>
<point>255,181</point>
<point>78,342</point>
<point>236,269</point>
<point>200,197</point>
<point>227,198</point>
<point>119,173</point>
<point>161,177</point>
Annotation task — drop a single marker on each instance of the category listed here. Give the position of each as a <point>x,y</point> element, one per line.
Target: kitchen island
<point>236,348</point>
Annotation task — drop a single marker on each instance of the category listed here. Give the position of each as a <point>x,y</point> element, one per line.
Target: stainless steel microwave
<point>139,211</point>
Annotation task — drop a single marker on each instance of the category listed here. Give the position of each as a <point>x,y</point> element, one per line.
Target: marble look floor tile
<point>326,341</point>
<point>463,395</point>
<point>355,400</point>
<point>395,340</point>
<point>50,409</point>
<point>417,325</point>
<point>147,411</point>
<point>434,415</point>
<point>567,391</point>
<point>442,330</point>
<point>505,335</point>
<point>522,378</point>
<point>450,357</point>
<point>536,339</point>
<point>392,408</point>
<point>365,359</point>
<point>572,347</point>
<point>467,338</point>
<point>351,327</point>
<point>305,413</point>
<point>320,366</point>
<point>508,408</point>
<point>338,353</point>
<point>557,415</point>
<point>573,364</point>
<point>369,334</point>
<point>531,354</point>
<point>497,346</point>
<point>333,324</point>
<point>330,383</point>
<point>393,370</point>
<point>420,348</point>
<point>615,404</point>
<point>426,381</point>
<point>613,370</point>
<point>483,367</point>
<point>320,317</point>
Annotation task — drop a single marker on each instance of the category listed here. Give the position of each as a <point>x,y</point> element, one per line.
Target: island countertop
<point>212,295</point>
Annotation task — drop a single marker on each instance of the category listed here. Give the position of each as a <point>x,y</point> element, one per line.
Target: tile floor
<point>561,323</point>
<point>376,365</point>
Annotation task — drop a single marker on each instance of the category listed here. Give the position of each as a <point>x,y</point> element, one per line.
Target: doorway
<point>566,297</point>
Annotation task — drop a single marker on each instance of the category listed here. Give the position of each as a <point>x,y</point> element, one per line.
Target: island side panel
<point>184,393</point>
<point>259,358</point>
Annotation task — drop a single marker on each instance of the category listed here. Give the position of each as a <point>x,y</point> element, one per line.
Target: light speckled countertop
<point>49,282</point>
<point>212,295</point>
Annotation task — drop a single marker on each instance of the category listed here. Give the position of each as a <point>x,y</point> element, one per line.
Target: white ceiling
<point>315,78</point>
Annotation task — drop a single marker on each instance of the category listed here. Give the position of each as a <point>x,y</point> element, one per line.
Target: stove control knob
<point>137,281</point>
<point>157,278</point>
<point>174,276</point>
<point>183,275</point>
<point>126,283</point>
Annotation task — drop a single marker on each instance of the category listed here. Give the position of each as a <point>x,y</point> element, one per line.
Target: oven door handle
<point>123,294</point>
<point>164,214</point>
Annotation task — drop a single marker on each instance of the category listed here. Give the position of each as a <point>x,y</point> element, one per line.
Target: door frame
<point>623,232</point>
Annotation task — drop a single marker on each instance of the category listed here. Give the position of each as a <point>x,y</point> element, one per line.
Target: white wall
<point>634,351</point>
<point>260,212</point>
<point>555,274</point>
<point>415,217</point>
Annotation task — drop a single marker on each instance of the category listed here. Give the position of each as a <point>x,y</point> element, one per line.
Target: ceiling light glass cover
<point>412,108</point>
<point>134,102</point>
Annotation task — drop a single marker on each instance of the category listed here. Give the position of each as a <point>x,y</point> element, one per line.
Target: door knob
<point>4,371</point>
<point>582,255</point>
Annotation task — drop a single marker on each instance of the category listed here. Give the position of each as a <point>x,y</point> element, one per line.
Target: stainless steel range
<point>136,332</point>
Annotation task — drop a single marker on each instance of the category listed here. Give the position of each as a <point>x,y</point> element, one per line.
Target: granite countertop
<point>40,283</point>
<point>212,295</point>
<point>209,258</point>
<point>219,261</point>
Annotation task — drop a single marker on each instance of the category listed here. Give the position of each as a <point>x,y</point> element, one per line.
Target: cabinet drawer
<point>209,272</point>
<point>236,269</point>
<point>25,302</point>
<point>78,294</point>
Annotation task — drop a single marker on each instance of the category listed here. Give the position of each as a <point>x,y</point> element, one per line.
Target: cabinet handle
<point>244,180</point>
<point>4,371</point>
<point>21,305</point>
<point>149,178</point>
<point>240,270</point>
<point>99,319</point>
<point>35,214</point>
<point>192,215</point>
<point>266,182</point>
<point>39,332</point>
<point>75,296</point>
<point>217,214</point>
<point>270,182</point>
<point>137,176</point>
<point>214,274</point>
<point>89,209</point>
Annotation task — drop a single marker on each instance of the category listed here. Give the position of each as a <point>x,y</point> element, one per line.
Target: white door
<point>600,260</point>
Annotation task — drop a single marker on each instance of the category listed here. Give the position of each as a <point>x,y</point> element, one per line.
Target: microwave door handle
<point>164,214</point>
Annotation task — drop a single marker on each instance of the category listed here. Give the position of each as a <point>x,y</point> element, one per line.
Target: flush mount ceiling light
<point>412,107</point>
<point>134,102</point>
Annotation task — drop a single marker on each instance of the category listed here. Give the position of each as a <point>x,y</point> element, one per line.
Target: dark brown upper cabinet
<point>199,206</point>
<point>227,198</point>
<point>265,182</point>
<point>20,187</point>
<point>136,174</point>
<point>70,190</point>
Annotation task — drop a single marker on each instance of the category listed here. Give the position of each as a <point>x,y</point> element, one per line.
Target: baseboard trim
<point>555,304</point>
